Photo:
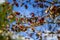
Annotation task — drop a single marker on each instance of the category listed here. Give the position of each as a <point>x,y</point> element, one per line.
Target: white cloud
<point>2,1</point>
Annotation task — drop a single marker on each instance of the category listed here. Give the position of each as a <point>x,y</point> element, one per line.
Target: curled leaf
<point>26,6</point>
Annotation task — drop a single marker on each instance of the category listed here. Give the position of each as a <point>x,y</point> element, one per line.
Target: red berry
<point>22,18</point>
<point>16,19</point>
<point>17,13</point>
<point>16,4</point>
<point>21,27</point>
<point>32,14</point>
<point>30,21</point>
<point>7,3</point>
<point>41,20</point>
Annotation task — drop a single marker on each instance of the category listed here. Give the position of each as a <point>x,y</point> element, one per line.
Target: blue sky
<point>27,12</point>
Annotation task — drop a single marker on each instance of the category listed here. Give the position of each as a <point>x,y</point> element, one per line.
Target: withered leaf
<point>40,5</point>
<point>17,4</point>
<point>14,0</point>
<point>22,4</point>
<point>26,6</point>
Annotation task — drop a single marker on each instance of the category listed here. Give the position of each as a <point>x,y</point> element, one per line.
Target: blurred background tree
<point>5,11</point>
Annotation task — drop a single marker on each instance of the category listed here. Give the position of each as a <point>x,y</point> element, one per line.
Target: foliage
<point>5,10</point>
